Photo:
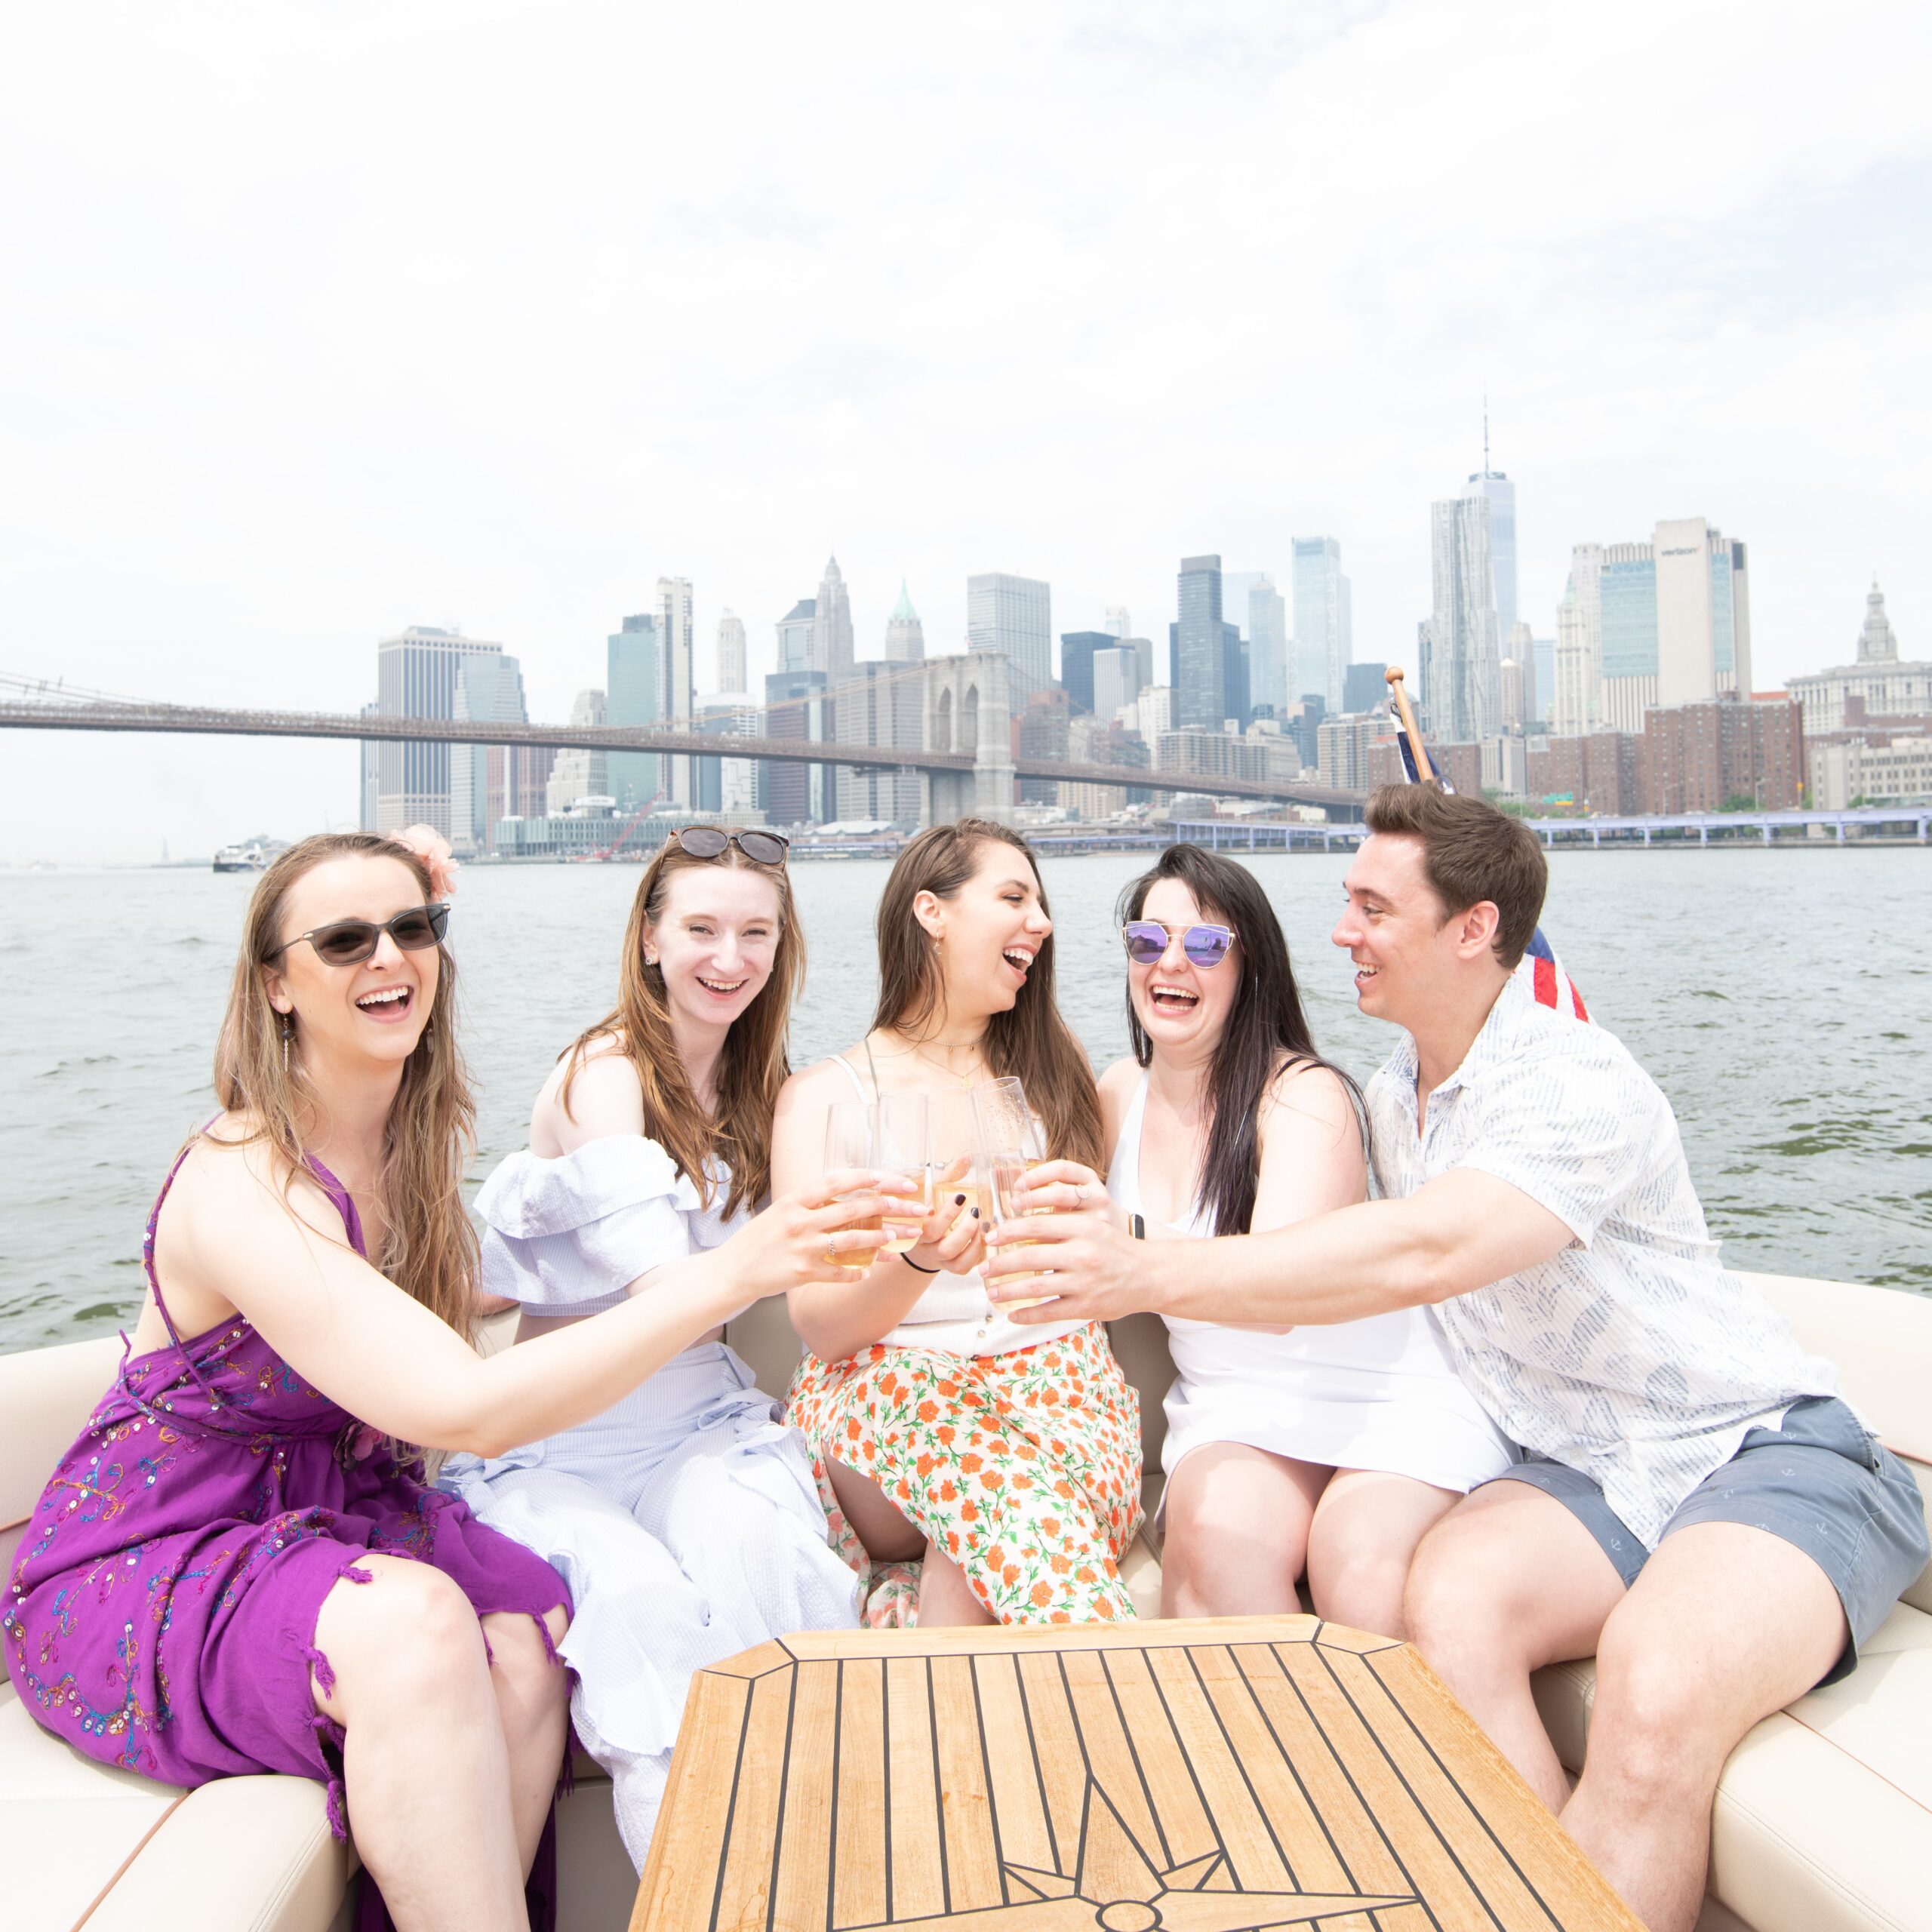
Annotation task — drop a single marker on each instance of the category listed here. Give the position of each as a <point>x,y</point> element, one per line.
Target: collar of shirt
<point>1493,1040</point>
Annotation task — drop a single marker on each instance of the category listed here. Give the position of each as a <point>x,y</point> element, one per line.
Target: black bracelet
<point>914,1266</point>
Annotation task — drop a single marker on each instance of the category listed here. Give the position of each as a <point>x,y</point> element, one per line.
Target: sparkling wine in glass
<point>901,1145</point>
<point>848,1145</point>
<point>1012,1143</point>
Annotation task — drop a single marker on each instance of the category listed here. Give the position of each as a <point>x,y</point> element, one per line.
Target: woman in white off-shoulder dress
<point>1321,1452</point>
<point>686,1520</point>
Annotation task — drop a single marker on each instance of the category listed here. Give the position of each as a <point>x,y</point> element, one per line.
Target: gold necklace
<point>916,1049</point>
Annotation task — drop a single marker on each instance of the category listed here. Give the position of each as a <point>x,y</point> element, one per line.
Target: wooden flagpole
<point>1393,676</point>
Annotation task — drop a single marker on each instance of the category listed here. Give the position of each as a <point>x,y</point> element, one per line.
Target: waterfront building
<point>589,829</point>
<point>1882,683</point>
<point>580,774</point>
<point>1077,651</point>
<point>1268,649</point>
<point>1341,751</point>
<point>1506,769</point>
<point>1198,648</point>
<point>1324,644</point>
<point>677,679</point>
<point>797,709</point>
<point>1704,757</point>
<point>633,694</point>
<point>1576,704</point>
<point>415,677</point>
<point>833,651</point>
<point>795,636</point>
<point>1044,734</point>
<point>1013,615</point>
<point>1459,673</point>
<point>905,635</point>
<point>1095,741</point>
<point>1114,671</point>
<point>1872,767</point>
<point>491,782</point>
<point>1597,771</point>
<point>733,674</point>
<point>1365,687</point>
<point>1191,752</point>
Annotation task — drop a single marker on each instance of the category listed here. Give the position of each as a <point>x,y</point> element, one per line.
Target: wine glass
<point>901,1145</point>
<point>1011,1143</point>
<point>849,1132</point>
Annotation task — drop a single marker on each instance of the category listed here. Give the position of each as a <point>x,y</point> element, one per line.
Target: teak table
<point>1217,1776</point>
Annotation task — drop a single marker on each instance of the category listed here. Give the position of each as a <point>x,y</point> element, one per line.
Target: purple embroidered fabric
<point>161,1615</point>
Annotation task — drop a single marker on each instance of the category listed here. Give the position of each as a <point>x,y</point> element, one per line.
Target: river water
<point>1782,998</point>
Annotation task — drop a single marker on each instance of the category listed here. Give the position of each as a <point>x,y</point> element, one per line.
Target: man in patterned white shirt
<point>1694,1505</point>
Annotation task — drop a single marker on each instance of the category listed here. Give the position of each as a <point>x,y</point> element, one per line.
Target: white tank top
<point>953,1315</point>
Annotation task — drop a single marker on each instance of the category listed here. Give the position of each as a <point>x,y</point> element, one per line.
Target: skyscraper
<point>905,635</point>
<point>731,666</point>
<point>415,677</point>
<point>1522,647</point>
<point>1496,489</point>
<point>832,627</point>
<point>1234,673</point>
<point>492,781</point>
<point>1324,646</point>
<point>1200,646</point>
<point>1117,621</point>
<point>579,774</point>
<point>1461,688</point>
<point>676,671</point>
<point>1268,690</point>
<point>634,687</point>
<point>1014,615</point>
<point>795,636</point>
<point>1077,650</point>
<point>1116,670</point>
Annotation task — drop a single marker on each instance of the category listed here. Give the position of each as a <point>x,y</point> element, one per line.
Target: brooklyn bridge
<point>39,704</point>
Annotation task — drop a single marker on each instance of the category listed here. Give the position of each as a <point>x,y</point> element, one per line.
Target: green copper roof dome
<point>902,611</point>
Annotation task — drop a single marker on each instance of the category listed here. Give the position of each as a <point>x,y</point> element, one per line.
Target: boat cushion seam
<point>121,1870</point>
<point>1832,1879</point>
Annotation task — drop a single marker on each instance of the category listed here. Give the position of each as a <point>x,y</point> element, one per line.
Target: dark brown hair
<point>1030,1039</point>
<point>752,1066</point>
<point>429,1249</point>
<point>1267,1031</point>
<point>1471,852</point>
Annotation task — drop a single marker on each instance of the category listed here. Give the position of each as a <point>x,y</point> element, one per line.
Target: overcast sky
<point>317,320</point>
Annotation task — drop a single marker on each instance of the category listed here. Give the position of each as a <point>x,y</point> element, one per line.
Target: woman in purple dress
<point>237,1568</point>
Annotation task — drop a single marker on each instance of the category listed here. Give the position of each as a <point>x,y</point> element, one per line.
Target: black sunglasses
<point>1204,945</point>
<point>707,842</point>
<point>349,942</point>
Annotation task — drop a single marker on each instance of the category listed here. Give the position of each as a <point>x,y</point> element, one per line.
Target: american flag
<point>1539,969</point>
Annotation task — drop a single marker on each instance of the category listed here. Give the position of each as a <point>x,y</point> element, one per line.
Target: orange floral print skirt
<point>1024,1468</point>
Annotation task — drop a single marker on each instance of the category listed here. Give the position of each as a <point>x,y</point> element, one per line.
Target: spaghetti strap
<point>852,1072</point>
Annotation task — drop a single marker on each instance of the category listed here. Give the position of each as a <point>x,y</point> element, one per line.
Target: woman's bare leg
<point>1363,1539</point>
<point>424,1762</point>
<point>534,1701</point>
<point>945,1598</point>
<point>1237,1521</point>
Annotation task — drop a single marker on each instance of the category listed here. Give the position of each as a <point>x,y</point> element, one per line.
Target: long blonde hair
<point>751,1069</point>
<point>1031,1039</point>
<point>430,1249</point>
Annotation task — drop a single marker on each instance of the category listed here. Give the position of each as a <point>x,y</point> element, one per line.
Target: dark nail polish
<point>976,1214</point>
<point>959,1201</point>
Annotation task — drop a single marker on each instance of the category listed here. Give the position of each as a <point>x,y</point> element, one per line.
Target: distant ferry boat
<point>249,858</point>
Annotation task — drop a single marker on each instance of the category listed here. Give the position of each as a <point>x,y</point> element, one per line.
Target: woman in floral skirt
<point>1005,1461</point>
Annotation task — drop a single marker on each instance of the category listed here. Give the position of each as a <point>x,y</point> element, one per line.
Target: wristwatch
<point>1136,1226</point>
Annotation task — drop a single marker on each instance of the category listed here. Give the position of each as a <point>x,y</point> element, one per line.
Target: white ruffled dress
<point>685,1518</point>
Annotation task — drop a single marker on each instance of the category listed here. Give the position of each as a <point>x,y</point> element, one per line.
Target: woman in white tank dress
<point>687,1520</point>
<point>1328,1451</point>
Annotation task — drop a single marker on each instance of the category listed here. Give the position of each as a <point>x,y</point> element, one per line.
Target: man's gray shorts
<point>1819,1482</point>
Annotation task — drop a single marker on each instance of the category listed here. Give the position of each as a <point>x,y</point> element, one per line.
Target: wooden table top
<point>1217,1776</point>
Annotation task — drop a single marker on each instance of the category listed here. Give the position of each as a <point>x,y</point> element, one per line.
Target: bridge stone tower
<point>966,710</point>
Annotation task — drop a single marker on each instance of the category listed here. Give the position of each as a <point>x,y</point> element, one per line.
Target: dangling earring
<point>288,1034</point>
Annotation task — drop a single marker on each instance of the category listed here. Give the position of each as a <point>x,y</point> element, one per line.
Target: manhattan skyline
<point>260,418</point>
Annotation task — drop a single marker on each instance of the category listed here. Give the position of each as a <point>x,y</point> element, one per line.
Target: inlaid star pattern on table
<point>1118,1888</point>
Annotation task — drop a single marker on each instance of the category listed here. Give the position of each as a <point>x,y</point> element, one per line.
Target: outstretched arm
<point>365,1344</point>
<point>1462,1230</point>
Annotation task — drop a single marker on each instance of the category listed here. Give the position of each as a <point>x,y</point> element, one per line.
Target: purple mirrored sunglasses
<point>1147,940</point>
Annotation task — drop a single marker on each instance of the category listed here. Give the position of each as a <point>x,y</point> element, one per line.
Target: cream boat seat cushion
<point>1823,1824</point>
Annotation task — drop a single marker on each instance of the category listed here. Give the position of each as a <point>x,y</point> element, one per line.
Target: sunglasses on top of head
<point>1147,941</point>
<point>349,942</point>
<point>707,842</point>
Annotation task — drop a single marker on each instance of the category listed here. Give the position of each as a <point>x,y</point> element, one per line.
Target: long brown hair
<point>752,1066</point>
<point>429,1249</point>
<point>1029,1039</point>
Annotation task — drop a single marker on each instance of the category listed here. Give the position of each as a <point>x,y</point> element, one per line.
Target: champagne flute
<point>849,1130</point>
<point>901,1145</point>
<point>1012,1142</point>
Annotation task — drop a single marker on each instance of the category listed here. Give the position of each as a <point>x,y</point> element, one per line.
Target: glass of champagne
<point>901,1145</point>
<point>849,1132</point>
<point>1012,1143</point>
